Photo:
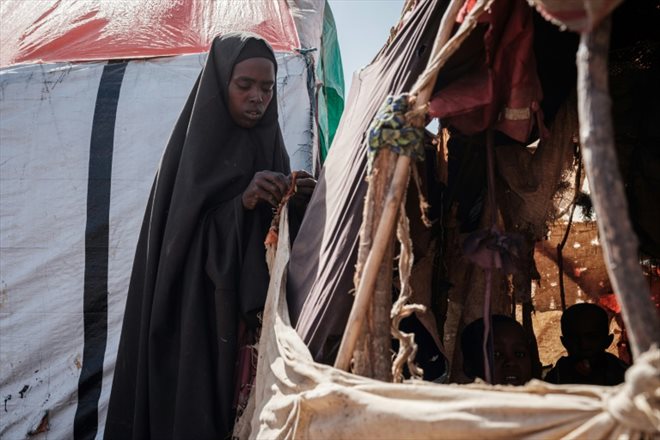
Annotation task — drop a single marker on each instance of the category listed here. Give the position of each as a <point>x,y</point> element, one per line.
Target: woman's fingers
<point>268,191</point>
<point>282,182</point>
<point>302,174</point>
<point>305,186</point>
<point>276,184</point>
<point>306,181</point>
<point>272,186</point>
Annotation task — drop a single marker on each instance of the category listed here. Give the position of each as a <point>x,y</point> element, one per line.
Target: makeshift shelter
<point>333,286</point>
<point>89,94</point>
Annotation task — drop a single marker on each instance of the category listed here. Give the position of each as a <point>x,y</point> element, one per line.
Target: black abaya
<point>199,267</point>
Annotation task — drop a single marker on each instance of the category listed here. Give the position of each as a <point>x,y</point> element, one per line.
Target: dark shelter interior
<point>532,149</point>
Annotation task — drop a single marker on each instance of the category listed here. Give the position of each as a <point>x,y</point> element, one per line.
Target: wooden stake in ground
<point>619,242</point>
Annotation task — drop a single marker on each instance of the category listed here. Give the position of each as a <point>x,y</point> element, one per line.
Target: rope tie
<point>402,308</point>
<point>637,404</point>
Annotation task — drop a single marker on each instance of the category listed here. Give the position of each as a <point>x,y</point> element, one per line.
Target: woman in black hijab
<point>200,266</point>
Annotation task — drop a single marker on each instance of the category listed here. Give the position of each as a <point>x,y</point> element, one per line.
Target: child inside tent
<point>586,336</point>
<point>511,352</point>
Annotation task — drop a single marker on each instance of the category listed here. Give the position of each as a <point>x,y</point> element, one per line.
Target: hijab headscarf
<point>199,265</point>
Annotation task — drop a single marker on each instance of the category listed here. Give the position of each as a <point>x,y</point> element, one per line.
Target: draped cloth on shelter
<point>199,266</point>
<point>322,266</point>
<point>295,397</point>
<point>493,82</point>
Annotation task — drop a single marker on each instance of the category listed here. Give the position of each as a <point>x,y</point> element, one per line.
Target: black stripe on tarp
<point>95,301</point>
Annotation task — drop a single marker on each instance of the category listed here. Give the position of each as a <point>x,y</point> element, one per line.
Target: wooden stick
<point>372,353</point>
<point>371,267</point>
<point>601,165</point>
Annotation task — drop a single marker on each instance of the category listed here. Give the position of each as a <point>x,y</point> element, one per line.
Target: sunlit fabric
<point>79,30</point>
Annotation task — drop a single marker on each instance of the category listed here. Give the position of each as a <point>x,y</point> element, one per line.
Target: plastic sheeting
<point>331,95</point>
<point>318,36</point>
<point>49,116</point>
<point>295,397</point>
<point>83,30</point>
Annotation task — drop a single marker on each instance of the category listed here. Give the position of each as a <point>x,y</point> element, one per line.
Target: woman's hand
<point>266,186</point>
<point>305,185</point>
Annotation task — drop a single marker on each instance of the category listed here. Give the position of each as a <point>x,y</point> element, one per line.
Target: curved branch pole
<point>619,242</point>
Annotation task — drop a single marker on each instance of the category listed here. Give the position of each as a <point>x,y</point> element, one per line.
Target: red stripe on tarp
<point>83,30</point>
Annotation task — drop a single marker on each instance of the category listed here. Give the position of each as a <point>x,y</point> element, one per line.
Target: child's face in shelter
<point>250,90</point>
<point>586,338</point>
<point>512,360</point>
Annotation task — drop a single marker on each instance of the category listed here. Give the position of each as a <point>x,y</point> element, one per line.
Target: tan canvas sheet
<point>295,397</point>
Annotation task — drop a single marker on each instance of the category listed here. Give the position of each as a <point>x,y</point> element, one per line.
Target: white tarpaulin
<point>79,147</point>
<point>295,397</point>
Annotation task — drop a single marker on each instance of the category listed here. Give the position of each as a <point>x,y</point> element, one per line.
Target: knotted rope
<point>391,129</point>
<point>401,309</point>
<point>637,405</point>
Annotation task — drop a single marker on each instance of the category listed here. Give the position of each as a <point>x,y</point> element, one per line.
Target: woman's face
<point>251,90</point>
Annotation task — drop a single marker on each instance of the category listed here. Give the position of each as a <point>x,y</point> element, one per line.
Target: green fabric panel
<point>329,70</point>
